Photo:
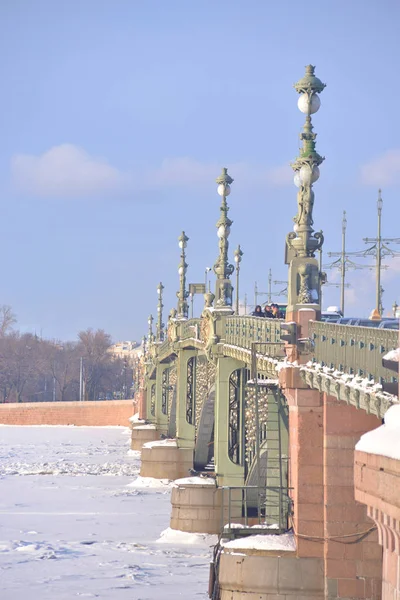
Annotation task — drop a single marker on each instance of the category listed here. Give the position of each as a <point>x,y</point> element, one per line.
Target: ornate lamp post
<point>302,243</point>
<point>238,259</point>
<point>144,345</point>
<point>182,294</point>
<point>222,269</point>
<point>160,306</point>
<point>150,336</point>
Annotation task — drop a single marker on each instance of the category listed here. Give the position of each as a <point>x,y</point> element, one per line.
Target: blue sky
<point>117,116</point>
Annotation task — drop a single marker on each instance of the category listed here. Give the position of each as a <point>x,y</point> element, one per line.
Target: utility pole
<point>269,286</point>
<point>379,250</point>
<point>343,264</point>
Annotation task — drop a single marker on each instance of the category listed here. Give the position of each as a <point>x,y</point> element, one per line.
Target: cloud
<point>384,170</point>
<point>70,172</point>
<point>65,171</point>
<point>393,264</point>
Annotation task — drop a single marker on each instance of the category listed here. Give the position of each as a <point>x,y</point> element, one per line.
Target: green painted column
<point>277,452</point>
<point>185,432</point>
<point>151,383</point>
<point>161,419</point>
<point>228,473</point>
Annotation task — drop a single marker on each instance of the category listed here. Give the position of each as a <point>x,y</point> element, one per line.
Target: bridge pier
<point>331,528</point>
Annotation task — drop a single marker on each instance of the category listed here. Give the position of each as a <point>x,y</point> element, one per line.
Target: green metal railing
<point>244,331</point>
<point>250,510</point>
<point>164,349</point>
<point>190,329</point>
<point>354,350</point>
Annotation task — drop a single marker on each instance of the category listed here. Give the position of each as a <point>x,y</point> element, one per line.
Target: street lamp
<point>144,345</point>
<point>160,306</point>
<point>303,242</point>
<point>222,268</point>
<point>150,323</point>
<point>238,259</point>
<point>394,308</point>
<point>182,294</point>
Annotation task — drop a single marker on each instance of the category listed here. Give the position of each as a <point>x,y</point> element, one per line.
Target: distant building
<point>125,350</point>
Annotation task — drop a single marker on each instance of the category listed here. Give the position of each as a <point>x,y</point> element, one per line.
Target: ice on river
<point>72,526</point>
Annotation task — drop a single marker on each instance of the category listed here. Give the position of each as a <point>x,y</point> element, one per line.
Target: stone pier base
<point>142,434</point>
<point>257,574</point>
<point>164,460</point>
<point>197,506</point>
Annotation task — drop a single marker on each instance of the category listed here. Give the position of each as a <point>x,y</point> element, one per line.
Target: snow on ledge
<point>150,482</point>
<point>195,481</point>
<point>135,419</point>
<point>393,355</point>
<point>175,536</point>
<point>284,543</point>
<point>160,443</point>
<point>385,440</point>
<point>141,427</point>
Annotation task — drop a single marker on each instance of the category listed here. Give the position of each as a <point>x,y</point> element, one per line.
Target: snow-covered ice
<point>71,525</point>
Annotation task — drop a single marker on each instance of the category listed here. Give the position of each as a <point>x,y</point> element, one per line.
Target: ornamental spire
<point>222,268</point>
<point>302,243</point>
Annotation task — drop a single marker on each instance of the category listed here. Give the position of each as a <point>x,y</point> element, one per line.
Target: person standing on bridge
<point>268,312</point>
<point>258,312</point>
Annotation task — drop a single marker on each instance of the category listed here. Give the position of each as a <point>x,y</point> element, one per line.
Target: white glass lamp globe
<point>223,189</point>
<point>221,231</point>
<point>159,308</point>
<point>308,175</point>
<point>302,103</point>
<point>297,179</point>
<point>236,258</point>
<point>182,244</point>
<point>180,270</point>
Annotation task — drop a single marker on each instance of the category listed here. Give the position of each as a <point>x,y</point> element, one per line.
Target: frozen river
<point>73,526</point>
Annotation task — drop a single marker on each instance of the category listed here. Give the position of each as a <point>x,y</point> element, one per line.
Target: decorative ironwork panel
<point>250,435</point>
<point>164,391</point>
<point>190,390</point>
<point>204,381</point>
<point>354,350</point>
<point>172,381</point>
<point>234,419</point>
<point>153,400</point>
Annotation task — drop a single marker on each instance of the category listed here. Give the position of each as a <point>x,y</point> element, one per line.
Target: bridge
<point>257,419</point>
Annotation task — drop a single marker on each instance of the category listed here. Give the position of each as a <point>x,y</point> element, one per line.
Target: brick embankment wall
<point>114,412</point>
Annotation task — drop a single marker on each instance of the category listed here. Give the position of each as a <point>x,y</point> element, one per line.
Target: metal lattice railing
<point>190,329</point>
<point>243,331</point>
<point>354,350</point>
<point>248,510</point>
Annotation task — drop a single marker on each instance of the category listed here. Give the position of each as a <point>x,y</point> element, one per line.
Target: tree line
<point>33,369</point>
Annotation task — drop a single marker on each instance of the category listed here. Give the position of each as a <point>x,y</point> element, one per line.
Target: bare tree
<point>63,363</point>
<point>19,361</point>
<point>93,347</point>
<point>7,319</point>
